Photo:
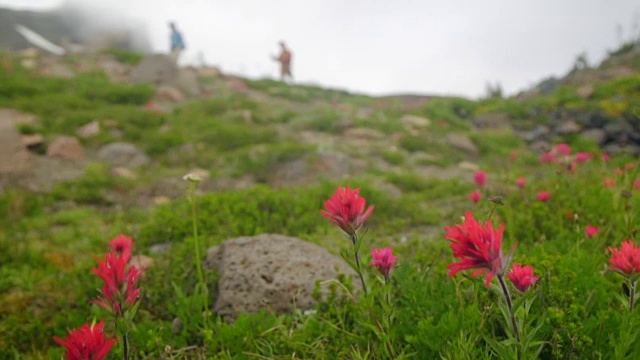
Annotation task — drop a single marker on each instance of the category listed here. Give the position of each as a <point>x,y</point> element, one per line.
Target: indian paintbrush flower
<point>521,182</point>
<point>475,196</point>
<point>480,178</point>
<point>87,342</point>
<point>626,259</point>
<point>122,245</point>
<point>591,230</point>
<point>543,196</point>
<point>346,209</point>
<point>522,277</point>
<point>477,246</point>
<point>119,291</point>
<point>384,260</point>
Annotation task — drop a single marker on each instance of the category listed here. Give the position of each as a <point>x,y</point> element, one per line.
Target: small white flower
<point>192,178</point>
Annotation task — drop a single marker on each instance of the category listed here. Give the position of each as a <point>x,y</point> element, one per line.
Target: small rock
<point>585,91</point>
<point>89,130</point>
<point>141,261</point>
<point>67,148</point>
<point>32,141</point>
<point>364,113</point>
<point>415,121</point>
<point>124,173</point>
<point>568,127</point>
<point>160,248</point>
<point>209,72</point>
<point>161,200</point>
<point>364,133</point>
<point>462,142</point>
<point>465,165</point>
<point>169,93</point>
<point>123,154</point>
<point>597,135</point>
<point>495,120</point>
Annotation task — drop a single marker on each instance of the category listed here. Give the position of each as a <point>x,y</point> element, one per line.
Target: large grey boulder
<point>272,272</point>
<point>155,69</point>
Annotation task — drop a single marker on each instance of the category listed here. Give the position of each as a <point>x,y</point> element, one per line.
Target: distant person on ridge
<point>285,62</point>
<point>177,43</point>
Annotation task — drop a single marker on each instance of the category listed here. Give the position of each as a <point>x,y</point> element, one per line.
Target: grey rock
<point>155,69</point>
<point>123,154</point>
<point>568,127</point>
<point>498,120</point>
<point>273,272</point>
<point>66,148</point>
<point>187,81</point>
<point>596,135</point>
<point>462,142</point>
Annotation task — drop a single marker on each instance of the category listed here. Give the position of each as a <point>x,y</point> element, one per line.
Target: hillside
<point>235,260</point>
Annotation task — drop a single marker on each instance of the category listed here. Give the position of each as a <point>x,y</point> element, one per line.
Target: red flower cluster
<point>475,196</point>
<point>522,277</point>
<point>119,292</point>
<point>480,178</point>
<point>87,342</point>
<point>591,230</point>
<point>346,209</point>
<point>626,260</point>
<point>478,247</point>
<point>543,196</point>
<point>384,260</point>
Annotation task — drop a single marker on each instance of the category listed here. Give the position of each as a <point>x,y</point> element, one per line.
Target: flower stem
<point>125,346</point>
<point>203,286</point>
<point>632,295</point>
<point>354,240</point>
<point>507,297</point>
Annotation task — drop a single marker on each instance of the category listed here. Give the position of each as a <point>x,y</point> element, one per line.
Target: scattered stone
<point>585,91</point>
<point>309,169</point>
<point>237,85</point>
<point>495,120</point>
<point>51,66</point>
<point>141,261</point>
<point>272,272</point>
<point>160,248</point>
<point>364,113</point>
<point>169,93</point>
<point>14,156</point>
<point>414,121</point>
<point>187,81</point>
<point>209,72</point>
<point>568,127</point>
<point>66,148</point>
<point>124,173</point>
<point>540,146</point>
<point>123,154</point>
<point>462,142</point>
<point>32,141</point>
<point>155,69</point>
<point>364,133</point>
<point>161,200</point>
<point>465,165</point>
<point>536,134</point>
<point>596,135</point>
<point>89,130</point>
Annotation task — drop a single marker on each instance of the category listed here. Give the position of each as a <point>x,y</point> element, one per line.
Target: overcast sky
<point>385,46</point>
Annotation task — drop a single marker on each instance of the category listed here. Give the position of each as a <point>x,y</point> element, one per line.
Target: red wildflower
<point>522,277</point>
<point>619,172</point>
<point>543,196</point>
<point>521,182</point>
<point>384,260</point>
<point>609,183</point>
<point>605,157</point>
<point>480,178</point>
<point>87,342</point>
<point>122,246</point>
<point>346,210</point>
<point>636,184</point>
<point>514,156</point>
<point>475,196</point>
<point>563,149</point>
<point>629,166</point>
<point>478,247</point>
<point>548,158</point>
<point>625,260</point>
<point>119,291</point>
<point>582,157</point>
<point>591,230</point>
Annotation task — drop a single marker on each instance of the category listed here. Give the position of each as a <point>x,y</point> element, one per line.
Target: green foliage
<point>125,56</point>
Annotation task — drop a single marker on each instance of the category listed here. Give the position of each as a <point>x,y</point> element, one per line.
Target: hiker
<point>177,43</point>
<point>285,62</point>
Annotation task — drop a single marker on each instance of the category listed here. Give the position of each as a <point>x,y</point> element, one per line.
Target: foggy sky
<point>384,46</point>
